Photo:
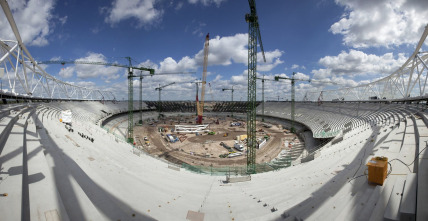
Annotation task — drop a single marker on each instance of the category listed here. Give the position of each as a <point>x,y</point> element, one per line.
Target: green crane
<point>263,95</point>
<point>293,95</point>
<point>130,133</point>
<point>160,88</point>
<point>232,90</point>
<point>253,34</point>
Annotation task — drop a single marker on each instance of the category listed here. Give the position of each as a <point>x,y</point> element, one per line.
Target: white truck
<point>238,146</point>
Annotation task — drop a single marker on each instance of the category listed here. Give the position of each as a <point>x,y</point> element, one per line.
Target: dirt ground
<point>205,149</point>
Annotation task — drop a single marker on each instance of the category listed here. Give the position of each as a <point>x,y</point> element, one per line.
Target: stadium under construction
<point>79,154</point>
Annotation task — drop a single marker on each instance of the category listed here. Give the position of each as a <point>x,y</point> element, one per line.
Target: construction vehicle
<point>172,138</point>
<point>238,146</point>
<point>226,146</point>
<point>200,104</point>
<point>235,124</point>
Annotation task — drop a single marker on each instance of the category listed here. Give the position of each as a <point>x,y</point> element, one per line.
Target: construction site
<point>69,152</point>
<point>222,143</point>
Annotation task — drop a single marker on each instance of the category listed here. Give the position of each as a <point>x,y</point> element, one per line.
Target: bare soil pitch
<point>205,149</point>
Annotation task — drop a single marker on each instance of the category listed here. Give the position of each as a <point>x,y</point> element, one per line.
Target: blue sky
<point>348,42</point>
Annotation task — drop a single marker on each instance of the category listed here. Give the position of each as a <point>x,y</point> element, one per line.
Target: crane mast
<point>200,105</point>
<point>253,36</point>
<point>160,88</point>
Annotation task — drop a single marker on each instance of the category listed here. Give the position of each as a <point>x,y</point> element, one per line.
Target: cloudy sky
<point>348,42</point>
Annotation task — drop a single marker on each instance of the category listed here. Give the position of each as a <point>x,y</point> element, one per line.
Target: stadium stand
<point>49,172</point>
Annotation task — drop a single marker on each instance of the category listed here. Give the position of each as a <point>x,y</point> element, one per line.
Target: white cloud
<point>142,10</point>
<point>355,63</point>
<point>107,73</point>
<point>222,51</point>
<point>368,23</point>
<point>32,19</point>
<point>296,66</point>
<point>66,72</point>
<point>207,2</point>
<point>301,76</point>
<point>269,67</point>
<point>170,65</point>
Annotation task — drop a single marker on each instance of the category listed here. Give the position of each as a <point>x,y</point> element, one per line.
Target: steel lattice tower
<point>253,35</point>
<point>130,136</point>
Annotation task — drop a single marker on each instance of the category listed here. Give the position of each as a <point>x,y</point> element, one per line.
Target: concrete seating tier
<point>51,173</point>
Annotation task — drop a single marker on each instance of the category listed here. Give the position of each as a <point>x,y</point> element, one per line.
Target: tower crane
<point>232,90</point>
<point>141,76</point>
<point>130,133</point>
<point>131,75</point>
<point>253,34</point>
<point>160,88</point>
<point>293,94</point>
<point>200,104</point>
<point>263,95</point>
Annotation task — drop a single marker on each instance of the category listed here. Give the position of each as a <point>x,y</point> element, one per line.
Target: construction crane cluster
<point>254,39</point>
<point>131,75</point>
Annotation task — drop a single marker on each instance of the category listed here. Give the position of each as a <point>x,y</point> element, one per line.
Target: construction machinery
<point>130,133</point>
<point>160,88</point>
<point>200,104</point>
<point>253,35</point>
<point>263,95</point>
<point>197,95</point>
<point>293,95</point>
<point>232,90</point>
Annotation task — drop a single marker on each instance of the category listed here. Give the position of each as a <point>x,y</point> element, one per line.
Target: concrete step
<point>379,208</point>
<point>12,170</point>
<point>408,201</point>
<point>392,210</point>
<point>45,201</point>
<point>365,213</point>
